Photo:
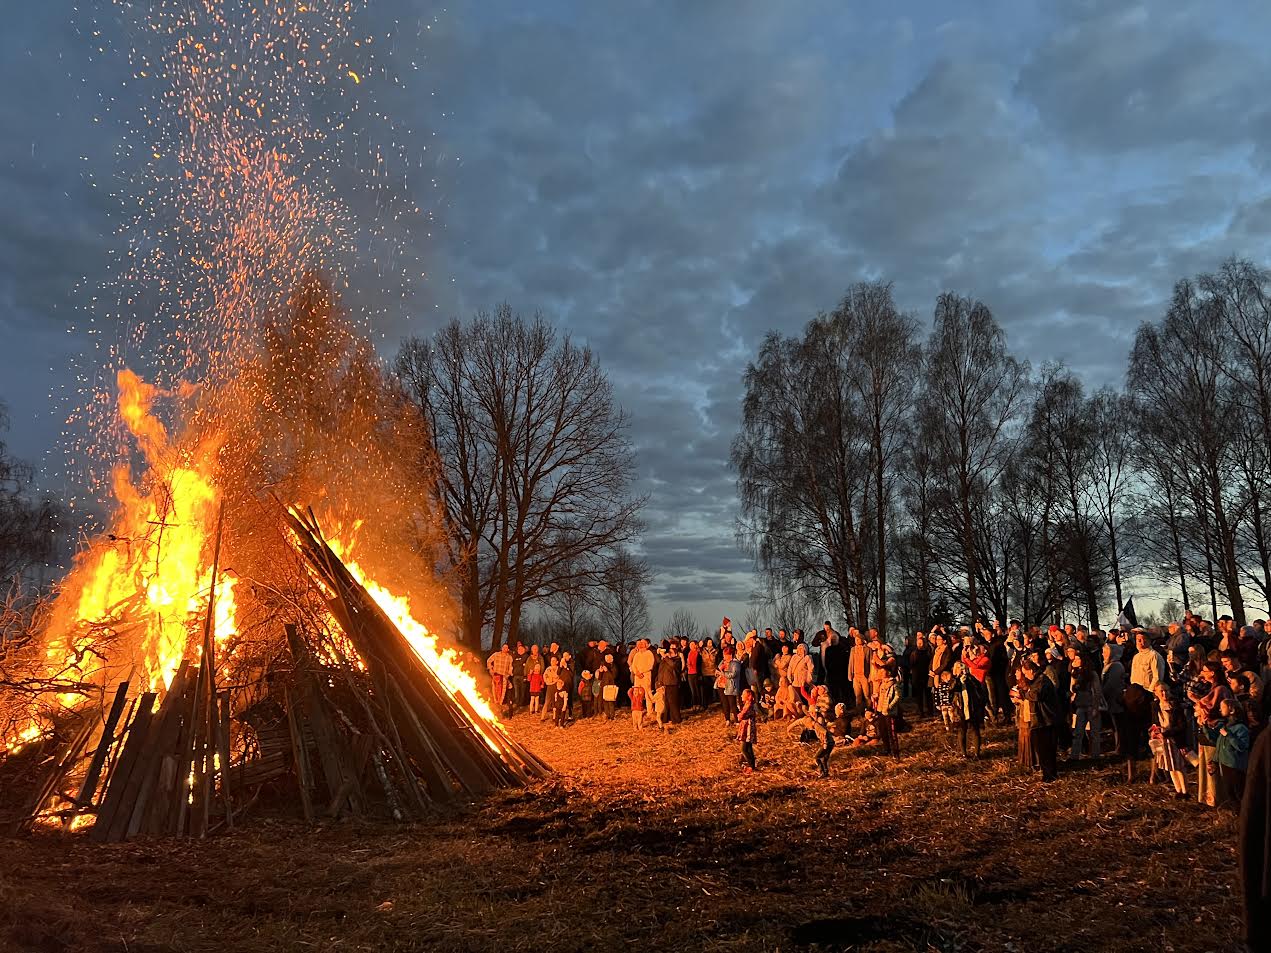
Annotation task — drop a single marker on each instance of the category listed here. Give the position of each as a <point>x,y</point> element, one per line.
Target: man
<point>520,676</point>
<point>1147,668</point>
<point>500,667</point>
<point>832,650</point>
<point>858,671</point>
<point>641,662</point>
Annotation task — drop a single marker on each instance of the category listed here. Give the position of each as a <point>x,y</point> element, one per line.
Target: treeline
<point>32,531</point>
<point>536,477</point>
<point>911,479</point>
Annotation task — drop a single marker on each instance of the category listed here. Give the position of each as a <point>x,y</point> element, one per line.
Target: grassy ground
<point>654,841</point>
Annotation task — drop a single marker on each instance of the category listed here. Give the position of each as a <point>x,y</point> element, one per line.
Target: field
<point>657,842</point>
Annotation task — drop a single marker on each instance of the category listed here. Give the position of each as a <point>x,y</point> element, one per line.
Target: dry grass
<point>652,841</point>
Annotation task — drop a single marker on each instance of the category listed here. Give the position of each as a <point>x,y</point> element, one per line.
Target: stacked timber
<point>371,732</point>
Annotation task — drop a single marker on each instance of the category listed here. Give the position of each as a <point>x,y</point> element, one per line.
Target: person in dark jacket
<point>1044,704</point>
<point>970,696</point>
<point>667,676</point>
<point>919,658</point>
<point>1255,846</point>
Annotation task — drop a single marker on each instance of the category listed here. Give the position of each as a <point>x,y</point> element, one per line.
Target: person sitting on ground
<point>783,703</point>
<point>767,700</point>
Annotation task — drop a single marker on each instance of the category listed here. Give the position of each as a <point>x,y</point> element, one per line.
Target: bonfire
<point>256,625</point>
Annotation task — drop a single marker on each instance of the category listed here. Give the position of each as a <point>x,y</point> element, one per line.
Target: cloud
<point>670,181</point>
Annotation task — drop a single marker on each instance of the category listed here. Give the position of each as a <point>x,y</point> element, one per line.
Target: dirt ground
<point>652,841</point>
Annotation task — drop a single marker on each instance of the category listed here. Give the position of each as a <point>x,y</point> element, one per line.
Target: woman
<point>1207,693</point>
<point>1084,692</point>
<point>1165,736</point>
<point>970,701</point>
<point>708,666</point>
<point>800,672</point>
<point>693,671</point>
<point>1230,736</point>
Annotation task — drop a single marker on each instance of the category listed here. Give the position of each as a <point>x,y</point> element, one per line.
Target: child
<point>1230,736</point>
<point>783,703</point>
<point>550,678</point>
<point>1163,738</point>
<point>597,692</point>
<point>608,687</point>
<point>636,694</point>
<point>888,705</point>
<point>537,684</point>
<point>747,730</point>
<point>561,705</point>
<point>584,695</point>
<point>943,695</point>
<point>659,708</point>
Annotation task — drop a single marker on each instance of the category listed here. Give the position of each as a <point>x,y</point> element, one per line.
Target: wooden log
<point>55,774</point>
<point>222,748</point>
<point>88,789</point>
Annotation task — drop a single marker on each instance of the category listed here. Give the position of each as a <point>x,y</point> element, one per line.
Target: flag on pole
<point>1126,619</point>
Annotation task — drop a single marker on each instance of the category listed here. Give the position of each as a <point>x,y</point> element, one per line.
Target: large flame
<point>134,605</point>
<point>445,662</point>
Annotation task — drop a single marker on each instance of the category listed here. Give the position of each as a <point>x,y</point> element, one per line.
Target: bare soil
<point>656,841</point>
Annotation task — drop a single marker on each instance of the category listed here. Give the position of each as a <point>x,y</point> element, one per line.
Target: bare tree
<point>536,458</point>
<point>30,527</point>
<point>819,454</point>
<point>1176,370</point>
<point>683,624</point>
<point>972,395</point>
<point>621,600</point>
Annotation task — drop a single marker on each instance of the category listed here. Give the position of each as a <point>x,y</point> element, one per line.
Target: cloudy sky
<point>669,180</point>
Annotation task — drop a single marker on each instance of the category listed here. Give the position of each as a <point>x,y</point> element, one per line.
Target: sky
<point>668,181</point>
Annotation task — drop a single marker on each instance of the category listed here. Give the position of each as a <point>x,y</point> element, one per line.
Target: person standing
<point>642,662</point>
<point>1043,711</point>
<point>500,667</point>
<point>668,679</point>
<point>748,729</point>
<point>801,675</point>
<point>1113,697</point>
<point>731,676</point>
<point>520,676</point>
<point>919,673</point>
<point>888,707</point>
<point>693,670</point>
<point>858,671</point>
<point>1255,846</point>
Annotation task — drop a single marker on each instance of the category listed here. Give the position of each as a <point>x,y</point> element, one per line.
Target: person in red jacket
<point>693,671</point>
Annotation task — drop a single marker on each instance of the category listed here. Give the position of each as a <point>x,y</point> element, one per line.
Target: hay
<point>652,841</point>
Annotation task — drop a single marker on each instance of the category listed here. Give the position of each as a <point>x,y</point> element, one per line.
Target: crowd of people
<point>1189,695</point>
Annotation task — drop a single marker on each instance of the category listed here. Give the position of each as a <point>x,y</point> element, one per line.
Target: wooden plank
<point>117,794</point>
<point>88,789</point>
<point>159,768</point>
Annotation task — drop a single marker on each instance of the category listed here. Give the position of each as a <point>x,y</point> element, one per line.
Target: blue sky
<point>670,180</point>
